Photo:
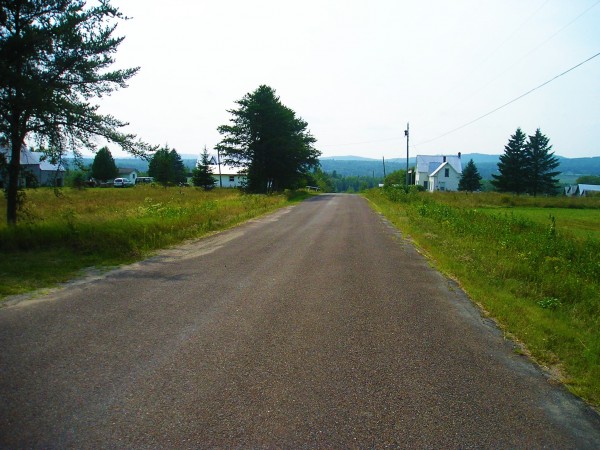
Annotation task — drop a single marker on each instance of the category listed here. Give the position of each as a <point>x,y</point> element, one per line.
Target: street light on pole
<point>407,134</point>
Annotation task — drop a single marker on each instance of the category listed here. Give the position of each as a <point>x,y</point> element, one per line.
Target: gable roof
<point>433,163</point>
<point>442,166</point>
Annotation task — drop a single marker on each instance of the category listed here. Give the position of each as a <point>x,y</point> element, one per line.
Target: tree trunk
<point>14,169</point>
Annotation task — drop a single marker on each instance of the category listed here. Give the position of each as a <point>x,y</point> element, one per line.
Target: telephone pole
<point>406,133</point>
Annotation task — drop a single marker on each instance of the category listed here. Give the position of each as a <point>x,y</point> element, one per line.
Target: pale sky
<point>358,71</point>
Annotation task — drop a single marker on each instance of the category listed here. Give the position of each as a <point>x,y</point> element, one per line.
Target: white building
<point>225,176</point>
<point>38,167</point>
<point>438,172</point>
<point>582,190</point>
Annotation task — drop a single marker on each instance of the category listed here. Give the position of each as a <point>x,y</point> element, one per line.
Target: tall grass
<point>541,282</point>
<point>59,235</point>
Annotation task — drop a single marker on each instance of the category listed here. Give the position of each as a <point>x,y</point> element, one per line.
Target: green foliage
<point>512,165</point>
<point>269,141</point>
<point>202,175</point>
<point>536,276</point>
<point>104,167</point>
<point>398,178</point>
<point>541,176</point>
<point>527,167</point>
<point>54,57</point>
<point>588,179</point>
<point>76,179</point>
<point>167,167</point>
<point>470,179</point>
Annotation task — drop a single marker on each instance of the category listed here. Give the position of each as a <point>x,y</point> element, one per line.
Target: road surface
<point>316,326</point>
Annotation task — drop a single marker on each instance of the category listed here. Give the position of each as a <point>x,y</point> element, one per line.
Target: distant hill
<point>570,168</point>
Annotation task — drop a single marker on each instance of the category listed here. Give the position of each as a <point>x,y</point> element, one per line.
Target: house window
<point>231,178</point>
<point>446,173</point>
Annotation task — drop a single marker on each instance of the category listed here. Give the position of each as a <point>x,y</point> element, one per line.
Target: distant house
<point>439,172</point>
<point>126,172</point>
<point>35,169</point>
<point>225,176</point>
<point>582,190</point>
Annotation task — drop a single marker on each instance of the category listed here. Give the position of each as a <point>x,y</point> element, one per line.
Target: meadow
<point>65,232</point>
<point>532,264</point>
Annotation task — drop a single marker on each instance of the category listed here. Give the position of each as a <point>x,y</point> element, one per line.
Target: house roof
<point>442,166</point>
<point>34,159</point>
<point>126,170</point>
<point>432,163</point>
<point>226,170</point>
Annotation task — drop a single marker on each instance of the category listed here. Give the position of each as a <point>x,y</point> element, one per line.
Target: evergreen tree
<point>202,175</point>
<point>166,167</point>
<point>178,168</point>
<point>470,179</point>
<point>104,167</point>
<point>512,165</point>
<point>541,176</point>
<point>55,56</point>
<point>269,142</point>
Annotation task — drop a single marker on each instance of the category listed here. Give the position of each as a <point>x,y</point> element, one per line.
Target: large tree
<point>166,167</point>
<point>104,167</point>
<point>55,57</point>
<point>202,175</point>
<point>470,179</point>
<point>512,165</point>
<point>541,162</point>
<point>268,140</point>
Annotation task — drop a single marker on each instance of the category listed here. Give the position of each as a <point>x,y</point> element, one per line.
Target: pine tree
<point>269,141</point>
<point>541,176</point>
<point>470,179</point>
<point>202,175</point>
<point>55,57</point>
<point>104,167</point>
<point>512,165</point>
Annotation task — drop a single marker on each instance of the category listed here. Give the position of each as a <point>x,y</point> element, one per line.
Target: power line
<point>508,103</point>
<point>518,61</point>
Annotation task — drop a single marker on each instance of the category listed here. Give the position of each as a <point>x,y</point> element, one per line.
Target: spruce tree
<point>541,162</point>
<point>470,179</point>
<point>202,175</point>
<point>166,167</point>
<point>104,167</point>
<point>269,141</point>
<point>512,165</point>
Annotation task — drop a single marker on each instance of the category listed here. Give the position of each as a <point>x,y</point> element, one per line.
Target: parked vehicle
<point>122,182</point>
<point>140,180</point>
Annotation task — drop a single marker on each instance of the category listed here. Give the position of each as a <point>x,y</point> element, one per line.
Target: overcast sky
<point>358,71</point>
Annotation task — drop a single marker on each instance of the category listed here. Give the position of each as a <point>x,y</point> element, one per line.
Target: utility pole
<point>384,167</point>
<point>406,133</point>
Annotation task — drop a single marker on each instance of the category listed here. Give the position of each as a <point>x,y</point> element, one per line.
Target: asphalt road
<point>317,326</point>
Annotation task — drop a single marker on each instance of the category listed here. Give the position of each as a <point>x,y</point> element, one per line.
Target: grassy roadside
<point>536,271</point>
<point>60,236</point>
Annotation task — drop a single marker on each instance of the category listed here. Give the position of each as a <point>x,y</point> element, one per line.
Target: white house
<point>35,163</point>
<point>225,176</point>
<point>126,172</point>
<point>582,190</point>
<point>439,172</point>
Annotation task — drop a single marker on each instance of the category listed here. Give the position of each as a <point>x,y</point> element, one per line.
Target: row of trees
<point>527,165</point>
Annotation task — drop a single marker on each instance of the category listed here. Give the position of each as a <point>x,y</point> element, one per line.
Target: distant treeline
<point>352,174</point>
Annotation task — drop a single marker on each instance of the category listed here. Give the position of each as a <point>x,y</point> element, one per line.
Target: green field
<point>582,223</point>
<point>533,264</point>
<point>62,233</point>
